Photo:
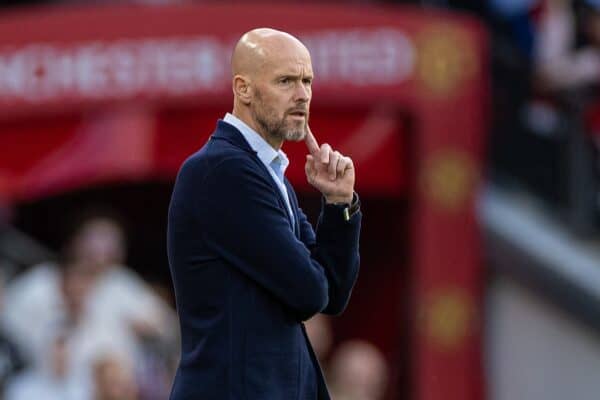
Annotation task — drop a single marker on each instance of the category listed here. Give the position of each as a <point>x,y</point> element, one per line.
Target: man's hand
<point>328,171</point>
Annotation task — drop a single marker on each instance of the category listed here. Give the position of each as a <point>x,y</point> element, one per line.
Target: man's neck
<point>274,142</point>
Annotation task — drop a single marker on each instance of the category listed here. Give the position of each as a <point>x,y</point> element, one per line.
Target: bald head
<point>261,47</point>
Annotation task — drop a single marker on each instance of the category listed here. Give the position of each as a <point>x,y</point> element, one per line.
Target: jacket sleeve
<point>336,248</point>
<point>241,221</point>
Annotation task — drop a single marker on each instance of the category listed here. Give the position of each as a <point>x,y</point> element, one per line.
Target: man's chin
<point>296,136</point>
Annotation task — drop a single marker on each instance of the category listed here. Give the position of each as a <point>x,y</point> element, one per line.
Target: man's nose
<point>302,92</point>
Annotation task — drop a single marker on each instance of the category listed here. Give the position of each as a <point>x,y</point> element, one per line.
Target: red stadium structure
<point>122,94</point>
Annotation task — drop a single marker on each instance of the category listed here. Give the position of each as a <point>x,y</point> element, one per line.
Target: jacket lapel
<point>294,204</point>
<point>230,134</point>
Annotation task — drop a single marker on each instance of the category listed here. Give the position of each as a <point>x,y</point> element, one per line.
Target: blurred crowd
<point>86,327</point>
<point>355,369</point>
<point>556,41</point>
<point>545,128</point>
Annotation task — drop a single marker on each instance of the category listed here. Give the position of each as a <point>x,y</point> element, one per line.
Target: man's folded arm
<point>336,248</point>
<point>240,220</point>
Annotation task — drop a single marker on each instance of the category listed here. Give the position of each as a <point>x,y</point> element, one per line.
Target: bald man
<point>247,267</point>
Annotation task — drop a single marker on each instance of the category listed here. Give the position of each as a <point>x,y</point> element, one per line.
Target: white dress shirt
<point>275,161</point>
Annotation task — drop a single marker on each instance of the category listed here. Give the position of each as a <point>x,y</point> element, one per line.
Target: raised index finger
<point>311,142</point>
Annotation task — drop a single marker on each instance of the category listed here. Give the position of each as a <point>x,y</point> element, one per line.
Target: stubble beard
<point>278,128</point>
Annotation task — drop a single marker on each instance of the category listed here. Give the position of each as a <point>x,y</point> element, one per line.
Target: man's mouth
<point>298,113</point>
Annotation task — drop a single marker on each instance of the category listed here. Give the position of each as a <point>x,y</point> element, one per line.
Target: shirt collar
<point>265,152</point>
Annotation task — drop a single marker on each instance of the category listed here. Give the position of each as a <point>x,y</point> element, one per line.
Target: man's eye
<point>285,81</point>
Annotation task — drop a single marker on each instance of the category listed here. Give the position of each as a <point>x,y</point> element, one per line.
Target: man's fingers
<point>334,159</point>
<point>335,168</point>
<point>348,164</point>
<point>342,164</point>
<point>311,142</point>
<point>309,167</point>
<point>324,153</point>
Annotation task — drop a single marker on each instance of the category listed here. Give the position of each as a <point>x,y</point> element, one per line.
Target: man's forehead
<point>291,65</point>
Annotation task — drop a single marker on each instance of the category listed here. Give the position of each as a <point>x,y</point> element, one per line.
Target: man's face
<point>282,94</point>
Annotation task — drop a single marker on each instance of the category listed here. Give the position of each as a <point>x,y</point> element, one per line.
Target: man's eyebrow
<point>288,75</point>
<point>294,75</point>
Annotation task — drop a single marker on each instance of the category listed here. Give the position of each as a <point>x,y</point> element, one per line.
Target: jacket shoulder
<point>215,154</point>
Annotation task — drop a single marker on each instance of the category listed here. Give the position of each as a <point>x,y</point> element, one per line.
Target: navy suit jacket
<point>245,278</point>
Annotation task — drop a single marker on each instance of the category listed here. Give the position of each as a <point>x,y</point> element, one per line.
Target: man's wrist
<point>348,208</point>
<point>339,200</point>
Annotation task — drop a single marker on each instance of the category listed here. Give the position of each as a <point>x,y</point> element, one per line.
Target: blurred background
<point>475,128</point>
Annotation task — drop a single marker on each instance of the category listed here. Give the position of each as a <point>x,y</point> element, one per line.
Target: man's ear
<point>242,88</point>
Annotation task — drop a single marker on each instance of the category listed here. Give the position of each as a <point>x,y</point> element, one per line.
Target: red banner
<point>46,74</point>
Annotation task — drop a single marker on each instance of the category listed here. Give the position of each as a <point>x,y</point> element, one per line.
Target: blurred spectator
<point>568,55</point>
<point>114,378</point>
<point>32,303</point>
<point>318,329</point>
<point>516,19</point>
<point>98,300</point>
<point>51,381</point>
<point>116,295</point>
<point>11,361</point>
<point>567,52</point>
<point>358,371</point>
<point>156,368</point>
<point>86,337</point>
<point>119,294</point>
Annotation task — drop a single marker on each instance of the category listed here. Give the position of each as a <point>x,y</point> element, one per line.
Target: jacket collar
<point>231,134</point>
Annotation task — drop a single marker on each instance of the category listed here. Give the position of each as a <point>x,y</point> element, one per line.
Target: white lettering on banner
<point>40,73</point>
<point>362,57</point>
